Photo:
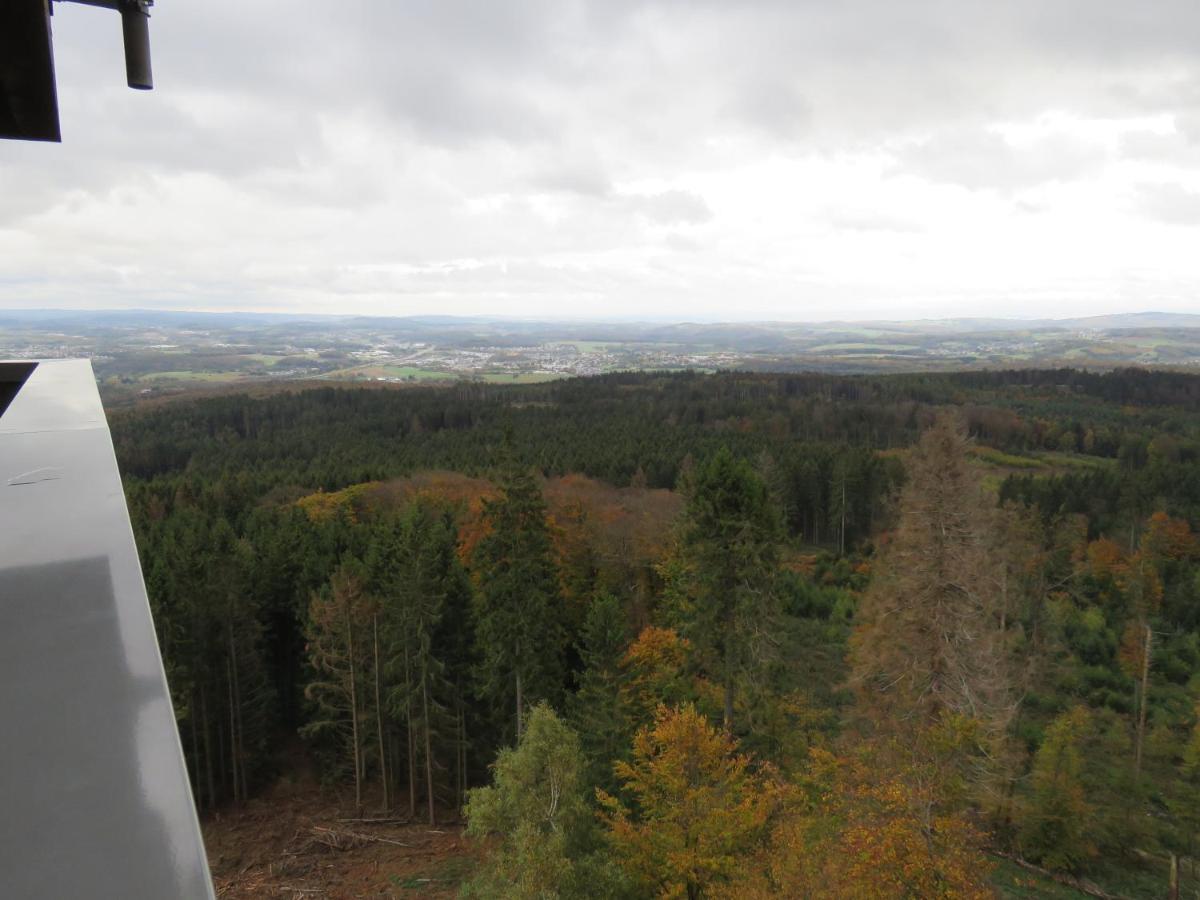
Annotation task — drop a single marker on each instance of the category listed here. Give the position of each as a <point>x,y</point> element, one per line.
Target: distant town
<point>139,354</point>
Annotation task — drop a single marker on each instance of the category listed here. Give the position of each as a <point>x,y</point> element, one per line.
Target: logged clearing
<point>298,840</point>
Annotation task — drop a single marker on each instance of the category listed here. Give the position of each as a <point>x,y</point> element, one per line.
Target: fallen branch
<point>346,840</point>
<point>375,821</point>
<point>1079,884</point>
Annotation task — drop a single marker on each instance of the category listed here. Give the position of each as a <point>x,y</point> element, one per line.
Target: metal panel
<point>95,796</point>
<point>28,97</point>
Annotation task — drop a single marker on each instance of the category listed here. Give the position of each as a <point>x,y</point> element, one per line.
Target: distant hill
<point>622,330</point>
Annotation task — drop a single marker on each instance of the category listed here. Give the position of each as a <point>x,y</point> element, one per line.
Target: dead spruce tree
<point>931,650</point>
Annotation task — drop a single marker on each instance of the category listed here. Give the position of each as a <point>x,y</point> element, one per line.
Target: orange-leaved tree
<point>699,809</point>
<point>856,828</point>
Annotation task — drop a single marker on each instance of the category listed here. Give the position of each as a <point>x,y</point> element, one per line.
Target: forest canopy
<point>700,635</point>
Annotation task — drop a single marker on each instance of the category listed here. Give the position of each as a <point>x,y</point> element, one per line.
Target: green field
<point>386,371</point>
<point>264,358</point>
<point>592,346</point>
<point>185,375</point>
<point>521,377</point>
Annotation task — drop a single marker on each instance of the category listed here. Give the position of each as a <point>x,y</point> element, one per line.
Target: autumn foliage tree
<point>697,806</point>
<point>852,829</point>
<point>1056,823</point>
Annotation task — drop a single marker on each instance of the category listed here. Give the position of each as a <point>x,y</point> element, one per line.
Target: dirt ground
<point>298,840</point>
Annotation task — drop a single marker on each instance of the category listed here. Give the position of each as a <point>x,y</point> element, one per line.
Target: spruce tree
<point>518,611</point>
<point>724,593</point>
<point>597,711</point>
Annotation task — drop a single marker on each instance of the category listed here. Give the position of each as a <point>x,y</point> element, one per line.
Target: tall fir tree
<point>518,605</point>
<point>597,711</point>
<point>724,595</point>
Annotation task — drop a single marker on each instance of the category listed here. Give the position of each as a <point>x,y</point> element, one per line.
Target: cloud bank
<point>765,159</point>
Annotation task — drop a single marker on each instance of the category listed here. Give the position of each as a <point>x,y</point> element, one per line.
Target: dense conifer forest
<point>685,635</point>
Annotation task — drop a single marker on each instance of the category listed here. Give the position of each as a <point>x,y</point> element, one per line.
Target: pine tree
<point>518,611</point>
<point>724,593</point>
<point>420,578</point>
<point>597,709</point>
<point>337,643</point>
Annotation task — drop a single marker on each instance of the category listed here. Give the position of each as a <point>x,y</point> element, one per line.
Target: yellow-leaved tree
<point>854,829</point>
<point>699,809</point>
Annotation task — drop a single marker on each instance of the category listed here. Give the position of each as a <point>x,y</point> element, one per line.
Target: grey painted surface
<point>94,796</point>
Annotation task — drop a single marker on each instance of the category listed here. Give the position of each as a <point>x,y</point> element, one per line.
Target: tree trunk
<point>196,762</point>
<point>728,703</point>
<point>460,759</point>
<point>233,758</point>
<point>520,710</point>
<point>412,743</point>
<point>240,730</point>
<point>208,752</point>
<point>1141,723</point>
<point>520,694</point>
<point>354,713</point>
<point>428,750</point>
<point>842,537</point>
<point>383,770</point>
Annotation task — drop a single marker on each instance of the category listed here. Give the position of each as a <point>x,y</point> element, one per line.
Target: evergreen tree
<point>518,610</point>
<point>337,644</point>
<point>598,713</point>
<point>420,579</point>
<point>724,592</point>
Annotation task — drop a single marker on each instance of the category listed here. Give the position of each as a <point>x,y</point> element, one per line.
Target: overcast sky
<point>758,159</point>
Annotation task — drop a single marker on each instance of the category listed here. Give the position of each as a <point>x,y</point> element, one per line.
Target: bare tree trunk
<point>196,761</point>
<point>1141,724</point>
<point>428,749</point>
<point>728,714</point>
<point>240,730</point>
<point>460,759</point>
<point>208,751</point>
<point>383,770</point>
<point>222,759</point>
<point>354,713</point>
<point>520,695</point>
<point>412,744</point>
<point>842,538</point>
<point>520,710</point>
<point>233,756</point>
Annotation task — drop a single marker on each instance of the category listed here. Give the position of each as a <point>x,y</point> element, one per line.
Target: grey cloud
<point>670,207</point>
<point>774,106</point>
<point>381,131</point>
<point>977,159</point>
<point>586,179</point>
<point>867,220</point>
<point>1171,204</point>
